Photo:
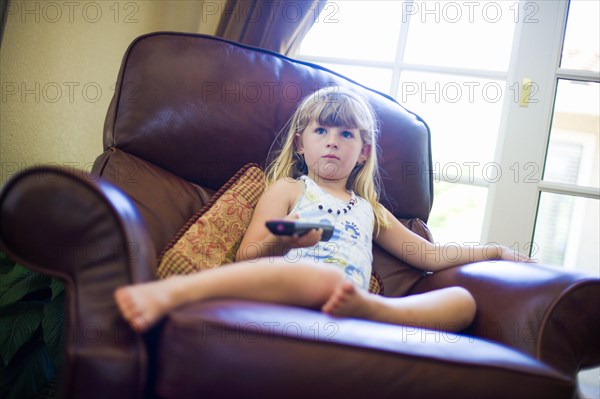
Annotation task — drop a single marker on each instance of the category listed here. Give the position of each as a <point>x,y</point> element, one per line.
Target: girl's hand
<point>307,240</point>
<point>505,253</point>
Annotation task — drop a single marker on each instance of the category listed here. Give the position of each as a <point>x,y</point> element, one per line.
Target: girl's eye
<point>347,135</point>
<point>320,130</point>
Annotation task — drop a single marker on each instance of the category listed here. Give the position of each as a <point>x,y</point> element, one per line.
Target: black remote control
<point>291,227</point>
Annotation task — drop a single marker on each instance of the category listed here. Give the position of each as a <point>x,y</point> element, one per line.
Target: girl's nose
<point>332,142</point>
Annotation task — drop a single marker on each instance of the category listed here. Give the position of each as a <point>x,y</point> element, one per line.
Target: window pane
<point>474,35</point>
<point>457,214</point>
<point>566,232</point>
<point>362,30</point>
<point>375,78</point>
<point>588,382</point>
<point>464,116</point>
<point>581,48</point>
<point>573,153</point>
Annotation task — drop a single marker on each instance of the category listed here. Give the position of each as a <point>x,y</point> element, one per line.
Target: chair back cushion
<point>201,107</point>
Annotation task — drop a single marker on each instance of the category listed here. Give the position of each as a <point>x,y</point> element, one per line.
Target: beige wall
<point>58,65</point>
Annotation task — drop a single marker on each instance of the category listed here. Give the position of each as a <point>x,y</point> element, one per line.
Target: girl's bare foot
<point>449,309</point>
<point>144,304</point>
<point>346,300</point>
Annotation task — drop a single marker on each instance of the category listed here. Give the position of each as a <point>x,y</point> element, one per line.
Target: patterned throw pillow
<point>213,235</point>
<point>376,284</point>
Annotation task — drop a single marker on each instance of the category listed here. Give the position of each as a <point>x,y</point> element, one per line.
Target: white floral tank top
<point>350,247</point>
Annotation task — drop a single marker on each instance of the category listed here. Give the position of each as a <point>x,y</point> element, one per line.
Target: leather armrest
<point>70,225</point>
<point>550,313</point>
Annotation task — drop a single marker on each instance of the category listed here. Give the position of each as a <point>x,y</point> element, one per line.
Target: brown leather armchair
<point>188,112</point>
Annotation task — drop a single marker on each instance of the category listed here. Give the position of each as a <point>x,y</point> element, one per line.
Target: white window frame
<point>522,140</point>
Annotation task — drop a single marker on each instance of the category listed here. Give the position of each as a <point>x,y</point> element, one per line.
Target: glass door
<point>566,228</point>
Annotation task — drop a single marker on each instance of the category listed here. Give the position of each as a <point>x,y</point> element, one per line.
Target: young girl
<point>326,171</point>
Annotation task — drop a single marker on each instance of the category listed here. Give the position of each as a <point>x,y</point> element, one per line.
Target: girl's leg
<point>267,280</point>
<point>450,309</point>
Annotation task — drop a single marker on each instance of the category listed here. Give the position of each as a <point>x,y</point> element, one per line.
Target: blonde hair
<point>334,106</point>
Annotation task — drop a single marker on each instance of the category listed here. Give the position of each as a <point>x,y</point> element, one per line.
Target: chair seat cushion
<point>230,348</point>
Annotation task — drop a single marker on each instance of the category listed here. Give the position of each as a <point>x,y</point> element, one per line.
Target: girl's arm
<point>411,248</point>
<point>275,203</point>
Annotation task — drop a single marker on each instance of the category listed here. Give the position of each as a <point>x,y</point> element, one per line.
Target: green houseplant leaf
<point>52,325</point>
<point>57,288</point>
<point>20,282</point>
<point>13,275</point>
<point>31,323</point>
<point>31,369</point>
<point>18,323</point>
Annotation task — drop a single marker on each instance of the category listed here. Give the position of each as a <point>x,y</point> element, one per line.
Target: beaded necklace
<point>345,209</point>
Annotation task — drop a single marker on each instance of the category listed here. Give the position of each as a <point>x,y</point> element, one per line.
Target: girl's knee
<point>460,291</point>
<point>325,278</point>
<point>329,275</point>
<point>333,274</point>
<point>465,301</point>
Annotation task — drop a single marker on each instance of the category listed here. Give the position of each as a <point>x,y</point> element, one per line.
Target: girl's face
<point>331,152</point>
